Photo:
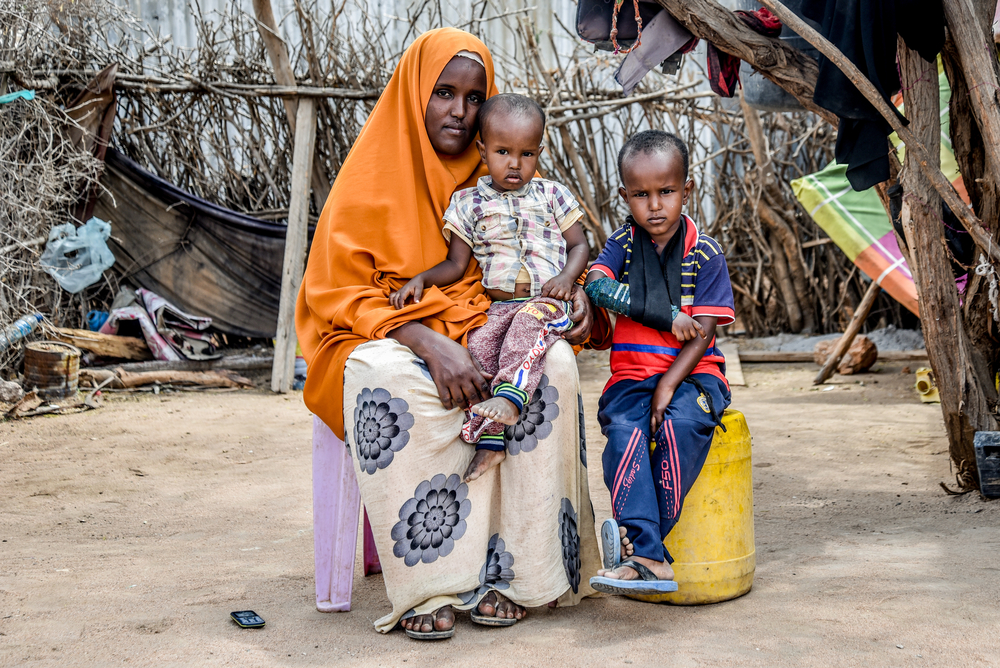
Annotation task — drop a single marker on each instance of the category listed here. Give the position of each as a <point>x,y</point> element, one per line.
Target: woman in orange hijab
<point>398,380</point>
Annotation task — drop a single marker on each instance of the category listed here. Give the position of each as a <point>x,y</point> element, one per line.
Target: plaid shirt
<point>511,230</point>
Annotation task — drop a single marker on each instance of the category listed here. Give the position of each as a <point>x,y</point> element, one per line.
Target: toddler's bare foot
<point>498,409</point>
<point>482,462</point>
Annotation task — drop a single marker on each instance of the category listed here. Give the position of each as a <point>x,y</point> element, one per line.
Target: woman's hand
<point>582,315</point>
<point>459,379</point>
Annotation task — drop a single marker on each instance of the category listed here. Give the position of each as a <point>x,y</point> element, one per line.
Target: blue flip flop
<point>611,543</point>
<point>647,584</point>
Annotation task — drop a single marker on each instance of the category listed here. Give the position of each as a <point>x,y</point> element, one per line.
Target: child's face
<point>655,190</point>
<point>511,149</point>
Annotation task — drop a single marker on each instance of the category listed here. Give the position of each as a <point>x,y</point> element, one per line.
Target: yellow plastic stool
<point>712,544</point>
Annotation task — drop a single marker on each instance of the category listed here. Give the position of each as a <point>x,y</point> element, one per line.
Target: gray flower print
<point>583,432</point>
<point>497,571</point>
<point>431,521</point>
<point>381,428</point>
<point>570,539</point>
<point>536,419</point>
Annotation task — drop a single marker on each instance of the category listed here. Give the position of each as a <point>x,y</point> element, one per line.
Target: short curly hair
<point>652,141</point>
<point>508,104</point>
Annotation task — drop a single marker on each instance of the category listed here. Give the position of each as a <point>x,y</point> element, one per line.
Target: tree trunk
<point>801,315</point>
<point>981,183</point>
<point>963,401</point>
<point>785,286</point>
<point>971,35</point>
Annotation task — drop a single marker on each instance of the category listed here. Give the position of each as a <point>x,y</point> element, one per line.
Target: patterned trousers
<point>648,482</point>
<point>511,346</point>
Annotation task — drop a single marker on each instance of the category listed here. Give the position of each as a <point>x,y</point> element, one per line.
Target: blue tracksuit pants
<point>648,482</point>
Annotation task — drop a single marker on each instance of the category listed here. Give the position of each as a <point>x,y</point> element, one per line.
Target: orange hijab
<point>382,225</point>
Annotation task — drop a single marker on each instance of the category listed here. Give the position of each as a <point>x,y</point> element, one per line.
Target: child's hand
<point>686,328</point>
<point>559,287</point>
<point>413,289</point>
<point>661,400</point>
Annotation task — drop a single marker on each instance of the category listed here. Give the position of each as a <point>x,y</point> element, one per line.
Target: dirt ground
<point>130,533</point>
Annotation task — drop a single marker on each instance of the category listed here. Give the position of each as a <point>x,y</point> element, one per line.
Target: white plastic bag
<point>76,257</point>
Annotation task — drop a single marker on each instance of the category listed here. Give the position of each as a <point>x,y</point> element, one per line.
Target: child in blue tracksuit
<point>668,388</point>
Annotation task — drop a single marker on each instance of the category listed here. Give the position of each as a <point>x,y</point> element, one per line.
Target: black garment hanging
<point>865,31</point>
<point>655,280</point>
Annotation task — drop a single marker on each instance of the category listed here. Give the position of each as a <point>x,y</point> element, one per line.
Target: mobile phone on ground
<point>247,619</point>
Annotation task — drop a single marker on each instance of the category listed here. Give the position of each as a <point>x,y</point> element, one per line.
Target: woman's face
<point>450,117</point>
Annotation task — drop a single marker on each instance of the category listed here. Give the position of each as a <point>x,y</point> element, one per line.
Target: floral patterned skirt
<point>442,541</point>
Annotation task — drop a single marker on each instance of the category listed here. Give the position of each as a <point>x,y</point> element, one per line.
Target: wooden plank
<point>241,363</point>
<point>296,240</point>
<point>214,378</point>
<point>776,356</point>
<point>105,345</point>
<point>734,369</point>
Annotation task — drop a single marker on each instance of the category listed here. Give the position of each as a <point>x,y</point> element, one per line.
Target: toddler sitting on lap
<point>525,234</point>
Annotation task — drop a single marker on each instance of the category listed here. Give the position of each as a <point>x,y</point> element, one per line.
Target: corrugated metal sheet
<point>174,18</point>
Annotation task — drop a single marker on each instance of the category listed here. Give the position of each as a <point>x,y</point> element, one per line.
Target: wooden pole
<point>966,393</point>
<point>296,239</point>
<point>848,338</point>
<point>925,162</point>
<point>284,75</point>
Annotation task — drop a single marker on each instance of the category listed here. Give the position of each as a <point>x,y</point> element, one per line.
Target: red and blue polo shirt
<point>639,352</point>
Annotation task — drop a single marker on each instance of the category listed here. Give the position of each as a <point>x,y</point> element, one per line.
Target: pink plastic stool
<point>336,502</point>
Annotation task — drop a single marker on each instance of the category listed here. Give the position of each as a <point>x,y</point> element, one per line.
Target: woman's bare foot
<point>482,462</point>
<point>661,569</point>
<point>495,605</point>
<point>498,409</point>
<point>441,619</point>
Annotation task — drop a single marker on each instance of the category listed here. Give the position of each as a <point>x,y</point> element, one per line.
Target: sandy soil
<point>131,532</point>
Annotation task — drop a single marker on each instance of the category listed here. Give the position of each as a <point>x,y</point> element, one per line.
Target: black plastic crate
<point>988,459</point>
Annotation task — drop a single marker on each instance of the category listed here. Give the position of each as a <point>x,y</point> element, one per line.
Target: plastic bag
<point>76,257</point>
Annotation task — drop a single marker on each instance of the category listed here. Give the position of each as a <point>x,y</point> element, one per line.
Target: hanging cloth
<point>655,280</point>
<point>865,31</point>
<point>723,68</point>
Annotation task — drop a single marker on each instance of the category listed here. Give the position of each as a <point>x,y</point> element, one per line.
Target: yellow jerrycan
<point>712,544</point>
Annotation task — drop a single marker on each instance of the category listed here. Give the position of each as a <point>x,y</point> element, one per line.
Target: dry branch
<point>214,378</point>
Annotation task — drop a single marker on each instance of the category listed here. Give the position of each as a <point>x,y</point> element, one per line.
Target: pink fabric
<point>157,344</point>
<point>511,346</point>
<point>156,317</point>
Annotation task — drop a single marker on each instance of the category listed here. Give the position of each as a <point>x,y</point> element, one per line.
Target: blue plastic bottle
<point>19,330</point>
